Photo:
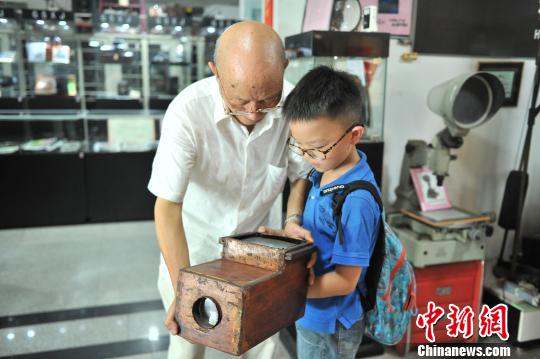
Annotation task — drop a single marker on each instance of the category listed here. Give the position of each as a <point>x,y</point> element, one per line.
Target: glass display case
<point>50,65</point>
<point>122,133</point>
<point>170,67</point>
<point>40,100</point>
<point>113,75</point>
<point>10,94</point>
<point>363,55</point>
<point>80,110</point>
<point>80,90</point>
<point>41,135</point>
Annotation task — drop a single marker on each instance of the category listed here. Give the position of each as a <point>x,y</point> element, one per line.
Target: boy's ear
<point>357,134</point>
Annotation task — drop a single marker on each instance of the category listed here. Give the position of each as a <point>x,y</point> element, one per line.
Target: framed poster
<point>430,195</point>
<point>394,16</point>
<point>317,15</point>
<point>510,75</point>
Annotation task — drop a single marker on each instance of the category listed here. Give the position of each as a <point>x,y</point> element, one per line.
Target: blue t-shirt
<point>360,217</point>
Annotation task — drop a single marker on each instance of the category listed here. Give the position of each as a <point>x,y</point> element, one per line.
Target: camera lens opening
<point>206,312</point>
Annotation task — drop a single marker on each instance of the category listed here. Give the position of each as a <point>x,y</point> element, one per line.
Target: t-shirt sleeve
<point>175,156</point>
<point>360,217</point>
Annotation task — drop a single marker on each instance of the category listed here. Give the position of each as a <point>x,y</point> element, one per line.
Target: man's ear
<point>212,67</point>
<point>357,134</point>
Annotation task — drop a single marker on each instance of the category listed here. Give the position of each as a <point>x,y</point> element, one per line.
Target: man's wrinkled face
<point>249,99</point>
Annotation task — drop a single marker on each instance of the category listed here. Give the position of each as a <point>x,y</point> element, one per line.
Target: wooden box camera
<point>258,287</point>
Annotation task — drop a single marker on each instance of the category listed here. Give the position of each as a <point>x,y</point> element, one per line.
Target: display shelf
<point>79,147</point>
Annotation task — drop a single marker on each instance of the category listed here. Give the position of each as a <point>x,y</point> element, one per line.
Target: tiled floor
<point>88,291</point>
<point>83,291</point>
<point>76,272</point>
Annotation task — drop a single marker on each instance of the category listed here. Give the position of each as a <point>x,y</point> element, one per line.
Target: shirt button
<point>312,197</point>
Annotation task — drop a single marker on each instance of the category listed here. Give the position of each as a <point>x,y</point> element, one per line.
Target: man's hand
<point>170,322</point>
<point>271,231</point>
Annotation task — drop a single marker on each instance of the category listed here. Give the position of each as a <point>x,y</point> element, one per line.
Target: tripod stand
<point>511,214</point>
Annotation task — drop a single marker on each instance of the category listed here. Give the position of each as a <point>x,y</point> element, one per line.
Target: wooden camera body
<point>258,287</point>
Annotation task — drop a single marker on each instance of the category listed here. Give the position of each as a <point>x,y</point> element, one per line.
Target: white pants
<point>179,348</point>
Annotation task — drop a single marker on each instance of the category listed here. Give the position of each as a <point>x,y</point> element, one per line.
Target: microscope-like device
<point>443,233</point>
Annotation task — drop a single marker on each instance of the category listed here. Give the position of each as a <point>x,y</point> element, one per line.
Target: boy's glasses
<point>315,153</point>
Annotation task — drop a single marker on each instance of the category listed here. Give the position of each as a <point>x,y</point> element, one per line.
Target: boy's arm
<point>295,207</point>
<point>342,281</point>
<point>297,197</point>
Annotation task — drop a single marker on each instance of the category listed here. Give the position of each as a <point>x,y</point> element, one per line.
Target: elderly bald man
<point>222,161</point>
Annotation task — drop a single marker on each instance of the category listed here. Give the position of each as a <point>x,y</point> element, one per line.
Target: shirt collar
<point>219,106</point>
<point>359,171</point>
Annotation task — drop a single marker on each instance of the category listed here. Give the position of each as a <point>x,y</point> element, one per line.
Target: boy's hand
<point>310,265</point>
<point>294,230</point>
<point>291,230</point>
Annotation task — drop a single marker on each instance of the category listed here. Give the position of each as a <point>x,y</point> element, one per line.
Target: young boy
<point>324,114</point>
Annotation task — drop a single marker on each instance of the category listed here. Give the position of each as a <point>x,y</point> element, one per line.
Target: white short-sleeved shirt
<point>226,178</point>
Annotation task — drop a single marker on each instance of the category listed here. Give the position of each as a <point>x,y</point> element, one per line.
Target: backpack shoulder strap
<point>368,299</point>
<point>341,193</point>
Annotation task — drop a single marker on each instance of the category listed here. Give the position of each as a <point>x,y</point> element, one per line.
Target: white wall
<point>490,151</point>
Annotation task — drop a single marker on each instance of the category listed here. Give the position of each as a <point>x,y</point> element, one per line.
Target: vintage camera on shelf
<point>120,21</point>
<point>258,287</point>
